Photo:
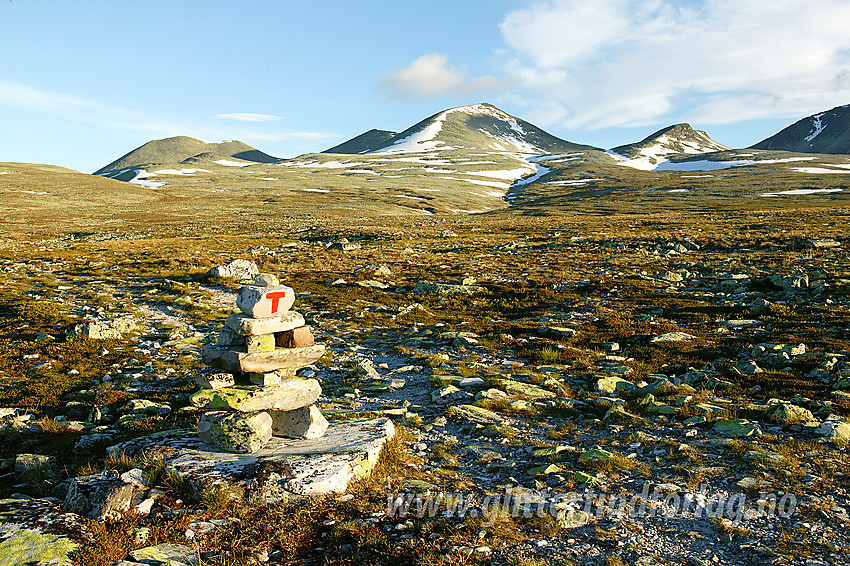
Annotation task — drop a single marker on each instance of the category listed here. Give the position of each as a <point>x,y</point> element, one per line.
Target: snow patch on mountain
<point>541,171</point>
<point>140,179</point>
<point>818,127</point>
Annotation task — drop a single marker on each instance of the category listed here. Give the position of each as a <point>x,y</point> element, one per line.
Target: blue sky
<point>82,83</point>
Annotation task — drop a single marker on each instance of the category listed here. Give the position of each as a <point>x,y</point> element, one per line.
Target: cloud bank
<point>625,63</point>
<point>432,75</point>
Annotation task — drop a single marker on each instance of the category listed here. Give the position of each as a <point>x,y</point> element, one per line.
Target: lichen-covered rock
<point>31,547</point>
<point>26,462</point>
<point>789,414</point>
<point>236,432</point>
<point>166,555</point>
<point>475,415</point>
<point>100,495</point>
<point>291,394</point>
<point>260,343</point>
<point>526,390</point>
<point>737,428</point>
<point>306,422</point>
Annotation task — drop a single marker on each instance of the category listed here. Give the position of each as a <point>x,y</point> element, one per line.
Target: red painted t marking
<point>276,297</point>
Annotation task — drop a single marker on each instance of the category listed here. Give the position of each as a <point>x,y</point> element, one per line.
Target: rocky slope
<point>827,132</point>
<point>179,148</point>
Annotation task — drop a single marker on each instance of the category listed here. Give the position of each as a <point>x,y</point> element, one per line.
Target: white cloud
<point>247,117</point>
<point>637,62</point>
<point>431,75</point>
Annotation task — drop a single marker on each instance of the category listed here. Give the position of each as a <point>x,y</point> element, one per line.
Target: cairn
<point>257,394</point>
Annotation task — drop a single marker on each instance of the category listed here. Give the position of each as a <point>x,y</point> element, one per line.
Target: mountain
<point>365,142</point>
<point>180,148</point>
<point>676,140</point>
<point>477,127</point>
<point>827,132</point>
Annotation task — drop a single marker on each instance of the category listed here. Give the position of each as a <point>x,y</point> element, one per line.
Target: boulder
<point>247,326</point>
<point>300,337</point>
<point>290,394</point>
<point>94,331</point>
<point>266,280</point>
<point>264,302</point>
<point>613,385</point>
<point>239,269</point>
<point>789,414</point>
<point>306,422</point>
<point>674,337</point>
<point>236,432</point>
<point>100,495</point>
<point>836,432</point>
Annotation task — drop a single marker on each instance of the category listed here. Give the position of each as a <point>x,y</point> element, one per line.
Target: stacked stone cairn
<point>257,393</point>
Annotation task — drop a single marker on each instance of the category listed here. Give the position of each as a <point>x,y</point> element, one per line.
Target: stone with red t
<point>264,302</point>
<point>295,338</point>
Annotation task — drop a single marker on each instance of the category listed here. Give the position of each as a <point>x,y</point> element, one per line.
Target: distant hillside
<point>478,127</point>
<point>827,132</point>
<point>367,141</point>
<point>180,148</point>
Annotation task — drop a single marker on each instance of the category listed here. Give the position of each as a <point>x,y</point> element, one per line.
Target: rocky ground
<point>592,391</point>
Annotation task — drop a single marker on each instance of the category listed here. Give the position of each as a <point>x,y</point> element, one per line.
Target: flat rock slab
<point>283,468</point>
<point>245,325</point>
<point>291,394</point>
<point>262,362</point>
